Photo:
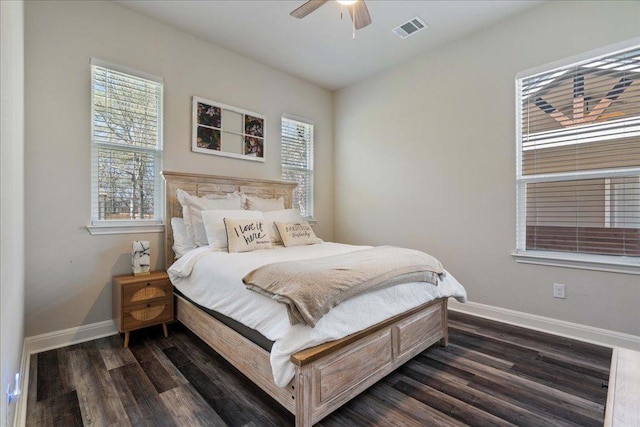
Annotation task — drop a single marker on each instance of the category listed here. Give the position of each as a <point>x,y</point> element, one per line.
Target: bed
<point>324,376</point>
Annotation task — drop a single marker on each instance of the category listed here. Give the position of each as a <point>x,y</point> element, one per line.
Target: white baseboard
<point>49,341</point>
<point>562,328</point>
<point>21,410</point>
<point>65,337</point>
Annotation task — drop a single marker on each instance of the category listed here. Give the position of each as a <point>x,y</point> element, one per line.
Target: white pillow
<point>284,215</point>
<point>246,235</point>
<point>192,207</point>
<point>215,228</point>
<point>255,203</point>
<point>297,233</point>
<point>181,241</point>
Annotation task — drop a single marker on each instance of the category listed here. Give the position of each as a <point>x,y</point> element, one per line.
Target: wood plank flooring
<point>490,374</point>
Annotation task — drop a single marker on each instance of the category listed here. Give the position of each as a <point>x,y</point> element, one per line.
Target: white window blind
<point>126,146</point>
<point>297,162</point>
<point>578,170</point>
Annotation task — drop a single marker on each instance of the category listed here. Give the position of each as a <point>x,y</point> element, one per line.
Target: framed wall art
<point>224,130</point>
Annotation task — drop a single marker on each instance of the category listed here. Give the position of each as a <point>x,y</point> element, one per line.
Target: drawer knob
<point>148,305</point>
<point>148,284</point>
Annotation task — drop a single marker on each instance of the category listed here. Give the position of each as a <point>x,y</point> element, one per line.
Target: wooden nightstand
<point>141,301</point>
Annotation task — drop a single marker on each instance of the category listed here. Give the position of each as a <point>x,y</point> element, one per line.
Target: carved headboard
<point>200,185</point>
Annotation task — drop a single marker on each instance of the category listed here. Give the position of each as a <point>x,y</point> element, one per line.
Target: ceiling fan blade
<point>360,14</point>
<point>307,8</point>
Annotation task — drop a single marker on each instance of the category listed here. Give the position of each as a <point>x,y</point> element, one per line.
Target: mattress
<point>213,279</point>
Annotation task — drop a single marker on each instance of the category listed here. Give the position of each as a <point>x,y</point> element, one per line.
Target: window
<point>578,159</point>
<point>126,149</point>
<point>297,162</point>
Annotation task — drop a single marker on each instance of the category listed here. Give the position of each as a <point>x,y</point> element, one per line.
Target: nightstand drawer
<point>145,292</point>
<point>150,313</point>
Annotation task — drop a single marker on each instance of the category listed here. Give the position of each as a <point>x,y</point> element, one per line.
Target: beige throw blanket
<point>310,288</point>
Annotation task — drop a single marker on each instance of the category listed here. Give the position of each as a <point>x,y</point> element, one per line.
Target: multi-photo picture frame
<point>224,130</point>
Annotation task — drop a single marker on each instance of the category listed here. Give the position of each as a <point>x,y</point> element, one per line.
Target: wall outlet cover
<point>559,290</point>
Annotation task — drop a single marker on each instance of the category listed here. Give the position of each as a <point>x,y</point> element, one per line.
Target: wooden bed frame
<point>328,375</point>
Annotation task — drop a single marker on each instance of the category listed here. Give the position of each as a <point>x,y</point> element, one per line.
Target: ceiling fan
<point>357,9</point>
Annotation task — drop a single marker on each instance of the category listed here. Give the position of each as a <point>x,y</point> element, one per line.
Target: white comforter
<point>213,279</point>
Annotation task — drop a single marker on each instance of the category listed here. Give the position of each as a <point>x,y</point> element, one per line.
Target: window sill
<point>625,265</point>
<point>102,229</point>
<point>310,220</point>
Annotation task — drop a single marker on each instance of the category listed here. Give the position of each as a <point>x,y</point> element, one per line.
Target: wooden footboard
<point>330,374</point>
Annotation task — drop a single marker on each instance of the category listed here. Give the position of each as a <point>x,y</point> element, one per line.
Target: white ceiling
<point>319,48</point>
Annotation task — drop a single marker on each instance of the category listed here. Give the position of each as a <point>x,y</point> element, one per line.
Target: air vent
<point>410,27</point>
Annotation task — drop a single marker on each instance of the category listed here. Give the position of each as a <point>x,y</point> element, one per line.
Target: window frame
<point>608,263</point>
<point>310,154</point>
<point>105,226</point>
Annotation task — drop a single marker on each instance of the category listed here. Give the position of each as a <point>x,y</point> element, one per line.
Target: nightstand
<point>141,301</point>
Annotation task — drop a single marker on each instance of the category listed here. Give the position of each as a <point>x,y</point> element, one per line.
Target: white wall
<point>425,158</point>
<point>68,272</point>
<point>12,196</point>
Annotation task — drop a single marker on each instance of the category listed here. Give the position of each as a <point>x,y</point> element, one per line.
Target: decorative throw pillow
<point>244,235</point>
<point>256,203</point>
<point>192,207</point>
<point>284,215</point>
<point>181,241</point>
<point>215,228</point>
<point>297,233</point>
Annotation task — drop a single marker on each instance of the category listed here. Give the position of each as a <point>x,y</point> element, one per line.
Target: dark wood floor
<point>490,374</point>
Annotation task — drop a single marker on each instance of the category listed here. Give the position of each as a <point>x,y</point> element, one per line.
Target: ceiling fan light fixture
<point>357,9</point>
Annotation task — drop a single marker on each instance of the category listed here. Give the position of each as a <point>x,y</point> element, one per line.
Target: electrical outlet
<point>13,396</point>
<point>559,290</point>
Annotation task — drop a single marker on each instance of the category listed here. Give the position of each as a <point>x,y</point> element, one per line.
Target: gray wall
<point>68,271</point>
<point>12,195</point>
<point>438,139</point>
